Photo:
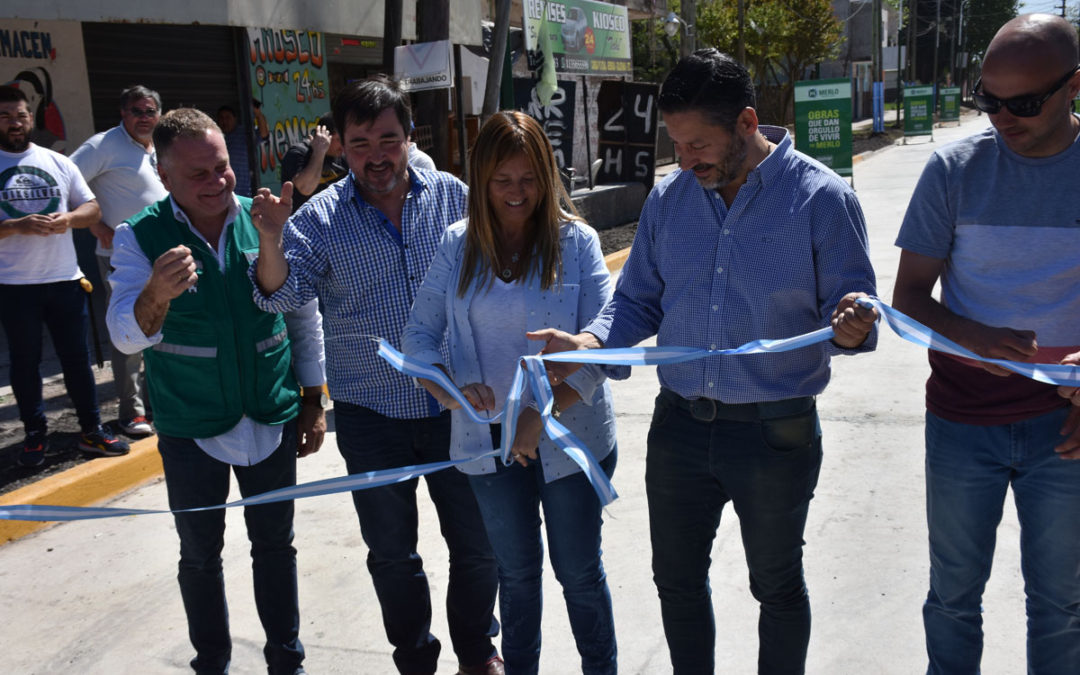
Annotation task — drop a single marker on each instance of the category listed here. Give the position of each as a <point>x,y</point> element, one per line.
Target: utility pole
<point>952,45</point>
<point>937,41</point>
<point>689,15</point>
<point>432,106</point>
<point>741,13</point>
<point>391,33</point>
<point>498,57</point>
<point>913,41</point>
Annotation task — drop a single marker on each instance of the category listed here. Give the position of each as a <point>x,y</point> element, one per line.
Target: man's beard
<point>14,146</point>
<point>371,188</point>
<point>729,167</point>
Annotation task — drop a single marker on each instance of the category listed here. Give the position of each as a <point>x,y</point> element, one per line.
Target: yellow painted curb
<point>87,484</point>
<point>616,260</point>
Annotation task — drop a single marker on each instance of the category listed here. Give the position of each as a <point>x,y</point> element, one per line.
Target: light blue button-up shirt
<point>439,311</point>
<point>772,265</point>
<point>366,274</point>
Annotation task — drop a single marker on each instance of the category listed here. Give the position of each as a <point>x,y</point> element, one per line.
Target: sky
<point>1050,6</point>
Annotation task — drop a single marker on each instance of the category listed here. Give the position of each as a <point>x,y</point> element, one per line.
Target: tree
<point>984,18</point>
<point>784,39</point>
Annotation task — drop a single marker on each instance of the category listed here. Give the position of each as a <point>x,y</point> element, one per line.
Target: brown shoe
<point>493,666</point>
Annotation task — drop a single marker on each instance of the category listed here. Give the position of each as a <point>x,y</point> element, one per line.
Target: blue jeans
<point>510,502</point>
<point>768,470</point>
<point>388,522</point>
<point>61,306</point>
<point>968,472</point>
<point>193,478</point>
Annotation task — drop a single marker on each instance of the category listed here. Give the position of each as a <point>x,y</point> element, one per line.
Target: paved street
<point>101,597</point>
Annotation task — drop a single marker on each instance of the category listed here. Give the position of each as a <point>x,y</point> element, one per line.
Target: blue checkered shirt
<point>366,275</point>
<point>772,265</point>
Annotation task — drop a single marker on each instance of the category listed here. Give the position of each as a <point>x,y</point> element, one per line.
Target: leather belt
<point>708,410</point>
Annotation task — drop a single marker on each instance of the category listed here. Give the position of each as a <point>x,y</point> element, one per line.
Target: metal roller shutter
<point>193,66</point>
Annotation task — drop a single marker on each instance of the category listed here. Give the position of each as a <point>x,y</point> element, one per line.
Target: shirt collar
<point>770,168</point>
<point>234,211</point>
<point>131,139</point>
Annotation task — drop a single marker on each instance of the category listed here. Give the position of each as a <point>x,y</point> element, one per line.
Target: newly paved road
<point>101,597</point>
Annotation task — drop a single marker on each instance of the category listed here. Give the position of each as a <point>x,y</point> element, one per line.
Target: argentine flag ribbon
<point>533,374</point>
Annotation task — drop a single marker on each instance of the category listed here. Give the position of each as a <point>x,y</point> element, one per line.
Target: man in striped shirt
<point>363,246</point>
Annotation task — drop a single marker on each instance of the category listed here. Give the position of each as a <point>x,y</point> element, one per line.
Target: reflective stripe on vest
<point>186,350</point>
<point>272,341</point>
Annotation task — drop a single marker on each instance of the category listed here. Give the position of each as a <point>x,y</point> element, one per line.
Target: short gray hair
<point>137,93</point>
<point>181,123</point>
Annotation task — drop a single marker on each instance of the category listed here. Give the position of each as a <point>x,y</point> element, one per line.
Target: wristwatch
<point>315,394</point>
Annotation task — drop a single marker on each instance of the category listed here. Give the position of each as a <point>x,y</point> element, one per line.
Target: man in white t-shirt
<point>42,198</point>
<point>120,166</point>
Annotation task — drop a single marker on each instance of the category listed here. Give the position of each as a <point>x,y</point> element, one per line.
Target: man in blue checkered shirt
<point>363,246</point>
<point>748,239</point>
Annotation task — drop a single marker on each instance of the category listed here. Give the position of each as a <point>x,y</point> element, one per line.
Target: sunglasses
<point>1029,105</point>
<point>143,112</point>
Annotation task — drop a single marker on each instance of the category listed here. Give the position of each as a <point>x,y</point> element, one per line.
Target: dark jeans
<point>388,521</point>
<point>767,469</point>
<point>510,502</point>
<point>193,479</point>
<point>60,306</point>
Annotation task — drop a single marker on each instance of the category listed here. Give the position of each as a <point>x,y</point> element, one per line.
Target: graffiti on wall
<point>27,57</point>
<point>288,75</point>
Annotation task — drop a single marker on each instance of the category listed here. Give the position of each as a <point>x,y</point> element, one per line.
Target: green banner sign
<point>918,111</point>
<point>1076,104</point>
<point>823,122</point>
<point>583,36</point>
<point>950,104</point>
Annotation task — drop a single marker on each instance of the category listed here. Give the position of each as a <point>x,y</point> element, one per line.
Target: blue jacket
<point>438,309</point>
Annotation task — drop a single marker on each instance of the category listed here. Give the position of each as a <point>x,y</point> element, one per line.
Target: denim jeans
<point>61,307</point>
<point>388,523</point>
<point>968,472</point>
<point>193,478</point>
<point>768,470</point>
<point>510,502</point>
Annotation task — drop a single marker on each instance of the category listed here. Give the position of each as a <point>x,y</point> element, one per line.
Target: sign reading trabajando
<point>918,111</point>
<point>823,122</point>
<point>584,36</point>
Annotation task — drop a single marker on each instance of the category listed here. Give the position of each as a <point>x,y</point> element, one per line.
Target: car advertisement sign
<point>950,104</point>
<point>823,122</point>
<point>918,111</point>
<point>586,37</point>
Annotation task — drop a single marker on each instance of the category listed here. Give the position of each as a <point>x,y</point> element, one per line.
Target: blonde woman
<point>522,261</point>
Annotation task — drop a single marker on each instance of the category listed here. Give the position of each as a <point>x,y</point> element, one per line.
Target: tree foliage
<point>984,18</point>
<point>783,40</point>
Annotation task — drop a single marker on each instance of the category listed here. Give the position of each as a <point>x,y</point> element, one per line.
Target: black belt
<point>707,409</point>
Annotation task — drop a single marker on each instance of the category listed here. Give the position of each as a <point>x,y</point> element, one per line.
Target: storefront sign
<point>918,111</point>
<point>823,122</point>
<point>424,65</point>
<point>585,37</point>
<point>288,79</point>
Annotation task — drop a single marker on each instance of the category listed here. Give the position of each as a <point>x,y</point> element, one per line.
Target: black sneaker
<point>33,449</point>
<point>100,441</point>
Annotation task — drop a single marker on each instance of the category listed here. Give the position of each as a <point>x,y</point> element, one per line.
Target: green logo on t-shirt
<point>26,190</point>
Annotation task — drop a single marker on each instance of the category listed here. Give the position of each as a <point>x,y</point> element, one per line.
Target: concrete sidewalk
<point>101,596</point>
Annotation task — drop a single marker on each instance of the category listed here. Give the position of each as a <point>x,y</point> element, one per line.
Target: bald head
<point>1035,39</point>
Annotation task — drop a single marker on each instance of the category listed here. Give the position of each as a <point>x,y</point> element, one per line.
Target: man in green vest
<point>223,378</point>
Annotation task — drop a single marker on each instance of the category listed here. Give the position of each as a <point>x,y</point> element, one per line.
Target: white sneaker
<point>137,427</point>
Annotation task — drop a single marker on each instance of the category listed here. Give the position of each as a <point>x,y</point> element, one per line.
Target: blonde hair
<point>505,135</point>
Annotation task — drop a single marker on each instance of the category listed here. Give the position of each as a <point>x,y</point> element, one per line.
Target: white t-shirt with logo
<point>39,181</point>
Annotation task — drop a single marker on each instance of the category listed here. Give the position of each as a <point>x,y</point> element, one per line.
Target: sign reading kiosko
<point>585,36</point>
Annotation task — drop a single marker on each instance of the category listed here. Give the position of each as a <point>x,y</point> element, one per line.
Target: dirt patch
<point>617,238</point>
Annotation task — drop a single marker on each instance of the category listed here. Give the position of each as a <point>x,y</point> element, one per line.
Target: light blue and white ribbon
<point>534,375</point>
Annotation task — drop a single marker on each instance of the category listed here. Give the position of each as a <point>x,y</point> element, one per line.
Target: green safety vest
<point>220,357</point>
